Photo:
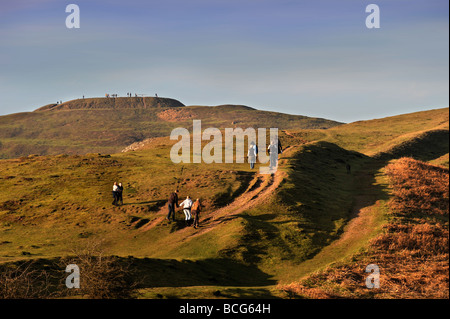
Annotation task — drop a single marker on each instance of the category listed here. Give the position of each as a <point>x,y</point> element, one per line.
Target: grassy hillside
<point>59,200</point>
<point>57,203</point>
<point>441,161</point>
<point>384,135</point>
<point>256,230</point>
<point>107,125</point>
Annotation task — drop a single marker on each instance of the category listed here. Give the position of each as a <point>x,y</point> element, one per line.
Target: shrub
<point>101,277</point>
<point>22,282</point>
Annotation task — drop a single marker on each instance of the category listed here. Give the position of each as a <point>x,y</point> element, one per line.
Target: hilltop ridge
<point>113,103</point>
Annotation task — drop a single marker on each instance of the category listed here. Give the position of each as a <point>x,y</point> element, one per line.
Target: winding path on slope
<point>259,190</point>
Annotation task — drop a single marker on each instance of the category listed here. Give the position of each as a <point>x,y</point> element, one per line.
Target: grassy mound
<point>113,103</point>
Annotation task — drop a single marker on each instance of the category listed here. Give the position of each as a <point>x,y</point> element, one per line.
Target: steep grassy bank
<point>307,212</point>
<point>411,253</point>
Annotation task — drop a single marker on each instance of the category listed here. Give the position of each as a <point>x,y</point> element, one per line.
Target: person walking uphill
<point>187,204</point>
<point>196,209</point>
<point>273,154</point>
<point>274,149</point>
<point>119,194</point>
<point>115,194</point>
<point>252,153</point>
<point>172,203</point>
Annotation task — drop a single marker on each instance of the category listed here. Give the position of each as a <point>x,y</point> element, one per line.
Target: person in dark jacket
<point>280,149</point>
<point>119,194</point>
<point>172,203</point>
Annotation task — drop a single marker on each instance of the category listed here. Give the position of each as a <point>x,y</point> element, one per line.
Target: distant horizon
<point>312,58</point>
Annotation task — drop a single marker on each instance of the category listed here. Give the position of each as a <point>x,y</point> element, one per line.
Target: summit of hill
<point>136,102</point>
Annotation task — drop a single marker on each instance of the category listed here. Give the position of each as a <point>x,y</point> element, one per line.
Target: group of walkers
<point>274,149</point>
<point>190,209</point>
<point>117,194</point>
<point>135,95</point>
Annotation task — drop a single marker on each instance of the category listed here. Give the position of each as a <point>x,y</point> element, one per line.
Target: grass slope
<point>383,135</point>
<point>55,203</point>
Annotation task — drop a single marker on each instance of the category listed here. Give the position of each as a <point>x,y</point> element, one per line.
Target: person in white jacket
<point>252,153</point>
<point>115,193</point>
<point>187,204</point>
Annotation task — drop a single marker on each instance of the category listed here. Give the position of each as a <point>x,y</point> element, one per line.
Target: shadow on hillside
<point>152,205</point>
<point>320,197</point>
<point>152,272</point>
<point>205,272</point>
<point>425,147</point>
<point>227,196</point>
<point>365,189</point>
<point>323,192</point>
<point>260,230</point>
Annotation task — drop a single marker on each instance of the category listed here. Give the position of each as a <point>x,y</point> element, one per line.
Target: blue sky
<point>314,57</point>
